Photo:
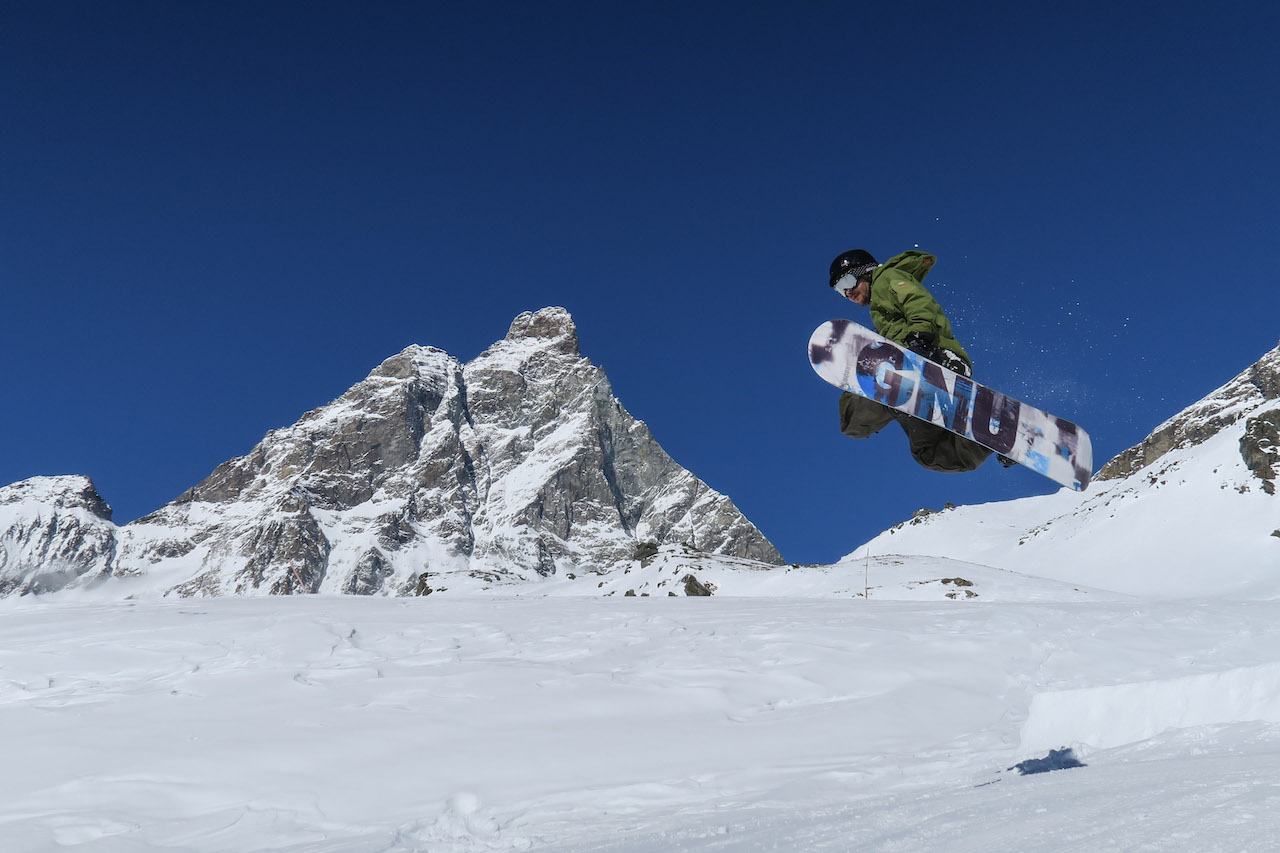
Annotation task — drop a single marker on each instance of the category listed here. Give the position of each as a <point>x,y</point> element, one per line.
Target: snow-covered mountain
<point>53,531</point>
<point>1191,511</point>
<point>428,473</point>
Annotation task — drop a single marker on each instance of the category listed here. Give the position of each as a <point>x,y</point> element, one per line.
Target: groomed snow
<point>574,723</point>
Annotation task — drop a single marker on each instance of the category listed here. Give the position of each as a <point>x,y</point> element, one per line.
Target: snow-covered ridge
<point>1189,512</point>
<point>57,493</point>
<point>53,531</point>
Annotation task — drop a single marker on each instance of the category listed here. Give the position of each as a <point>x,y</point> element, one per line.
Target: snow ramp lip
<point>1115,715</point>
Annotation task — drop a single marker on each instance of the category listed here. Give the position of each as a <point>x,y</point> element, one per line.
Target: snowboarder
<point>903,311</point>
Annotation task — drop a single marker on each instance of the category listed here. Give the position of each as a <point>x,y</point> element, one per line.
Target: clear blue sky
<point>217,216</point>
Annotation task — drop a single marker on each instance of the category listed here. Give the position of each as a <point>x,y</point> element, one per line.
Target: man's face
<point>859,293</point>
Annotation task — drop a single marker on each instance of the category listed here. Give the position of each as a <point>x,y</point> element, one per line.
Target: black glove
<point>925,344</point>
<point>953,362</point>
<point>922,343</point>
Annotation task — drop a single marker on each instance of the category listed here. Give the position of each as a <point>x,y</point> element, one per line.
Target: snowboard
<point>854,358</point>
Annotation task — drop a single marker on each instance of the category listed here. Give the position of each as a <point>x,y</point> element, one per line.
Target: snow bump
<point>1105,717</point>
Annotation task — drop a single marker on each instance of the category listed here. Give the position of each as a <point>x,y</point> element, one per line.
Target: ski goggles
<point>845,283</point>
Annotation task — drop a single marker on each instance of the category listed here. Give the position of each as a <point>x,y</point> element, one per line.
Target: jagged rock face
<point>1260,447</point>
<point>561,457</point>
<point>54,532</point>
<point>519,462</point>
<point>1239,398</point>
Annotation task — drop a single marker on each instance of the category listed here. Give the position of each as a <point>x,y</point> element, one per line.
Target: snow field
<point>570,723</point>
<point>1215,791</point>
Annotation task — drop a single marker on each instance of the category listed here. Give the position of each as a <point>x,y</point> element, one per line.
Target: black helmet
<point>857,262</point>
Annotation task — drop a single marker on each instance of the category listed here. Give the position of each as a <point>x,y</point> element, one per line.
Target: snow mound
<point>1126,713</point>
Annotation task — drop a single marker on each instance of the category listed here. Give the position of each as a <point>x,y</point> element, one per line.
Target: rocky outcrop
<point>1260,447</point>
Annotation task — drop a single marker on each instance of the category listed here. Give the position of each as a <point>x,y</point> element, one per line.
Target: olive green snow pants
<point>932,446</point>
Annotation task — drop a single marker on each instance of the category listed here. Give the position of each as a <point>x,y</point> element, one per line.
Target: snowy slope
<point>1197,517</point>
<point>678,570</point>
<point>317,723</point>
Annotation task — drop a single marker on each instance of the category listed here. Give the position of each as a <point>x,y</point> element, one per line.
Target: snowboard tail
<point>856,359</point>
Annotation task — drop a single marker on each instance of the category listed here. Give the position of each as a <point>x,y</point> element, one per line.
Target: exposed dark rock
<point>645,552</point>
<point>1260,447</point>
<point>369,575</point>
<point>692,586</point>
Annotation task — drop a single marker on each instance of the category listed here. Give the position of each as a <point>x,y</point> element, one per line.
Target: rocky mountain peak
<point>550,328</point>
<point>414,362</point>
<point>427,475</point>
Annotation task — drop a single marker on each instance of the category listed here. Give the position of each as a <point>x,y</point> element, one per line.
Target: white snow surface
<point>798,714</point>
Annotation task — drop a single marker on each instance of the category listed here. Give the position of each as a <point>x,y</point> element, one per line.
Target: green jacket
<point>900,304</point>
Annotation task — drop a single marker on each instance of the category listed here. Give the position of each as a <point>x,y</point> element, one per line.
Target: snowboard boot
<point>1006,461</point>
